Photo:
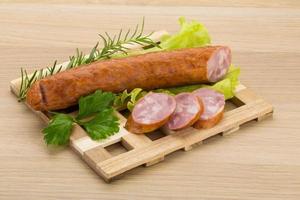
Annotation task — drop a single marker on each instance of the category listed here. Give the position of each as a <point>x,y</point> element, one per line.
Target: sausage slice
<point>214,103</point>
<point>187,112</point>
<point>150,113</point>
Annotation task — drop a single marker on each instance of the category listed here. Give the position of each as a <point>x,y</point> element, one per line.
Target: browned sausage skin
<point>137,128</point>
<point>211,122</point>
<point>147,71</point>
<point>34,97</point>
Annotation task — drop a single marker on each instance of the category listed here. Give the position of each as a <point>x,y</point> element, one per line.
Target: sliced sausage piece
<point>214,103</point>
<point>150,113</point>
<point>148,71</point>
<point>187,112</point>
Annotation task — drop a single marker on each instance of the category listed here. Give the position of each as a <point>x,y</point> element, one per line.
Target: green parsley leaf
<point>59,130</point>
<point>94,103</point>
<point>104,124</point>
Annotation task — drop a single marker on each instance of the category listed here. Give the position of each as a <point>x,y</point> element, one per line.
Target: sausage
<point>187,112</point>
<point>214,103</point>
<point>148,71</point>
<point>150,113</point>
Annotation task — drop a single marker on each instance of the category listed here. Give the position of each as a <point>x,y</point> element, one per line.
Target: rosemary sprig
<point>111,45</point>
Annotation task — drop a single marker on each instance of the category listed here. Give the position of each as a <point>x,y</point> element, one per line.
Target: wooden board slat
<point>126,161</point>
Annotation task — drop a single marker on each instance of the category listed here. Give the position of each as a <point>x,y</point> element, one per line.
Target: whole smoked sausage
<point>148,71</point>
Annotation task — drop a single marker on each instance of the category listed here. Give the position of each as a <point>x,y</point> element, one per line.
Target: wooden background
<point>260,161</point>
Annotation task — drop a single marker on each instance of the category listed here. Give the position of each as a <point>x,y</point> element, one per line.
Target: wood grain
<point>222,3</point>
<point>261,162</point>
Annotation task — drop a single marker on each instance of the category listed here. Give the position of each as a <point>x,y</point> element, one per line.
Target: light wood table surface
<point>260,161</point>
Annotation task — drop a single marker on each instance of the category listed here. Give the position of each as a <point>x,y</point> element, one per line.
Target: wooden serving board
<point>152,148</point>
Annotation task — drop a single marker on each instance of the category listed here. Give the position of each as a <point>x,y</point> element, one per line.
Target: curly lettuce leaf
<point>136,94</point>
<point>191,34</point>
<point>127,100</point>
